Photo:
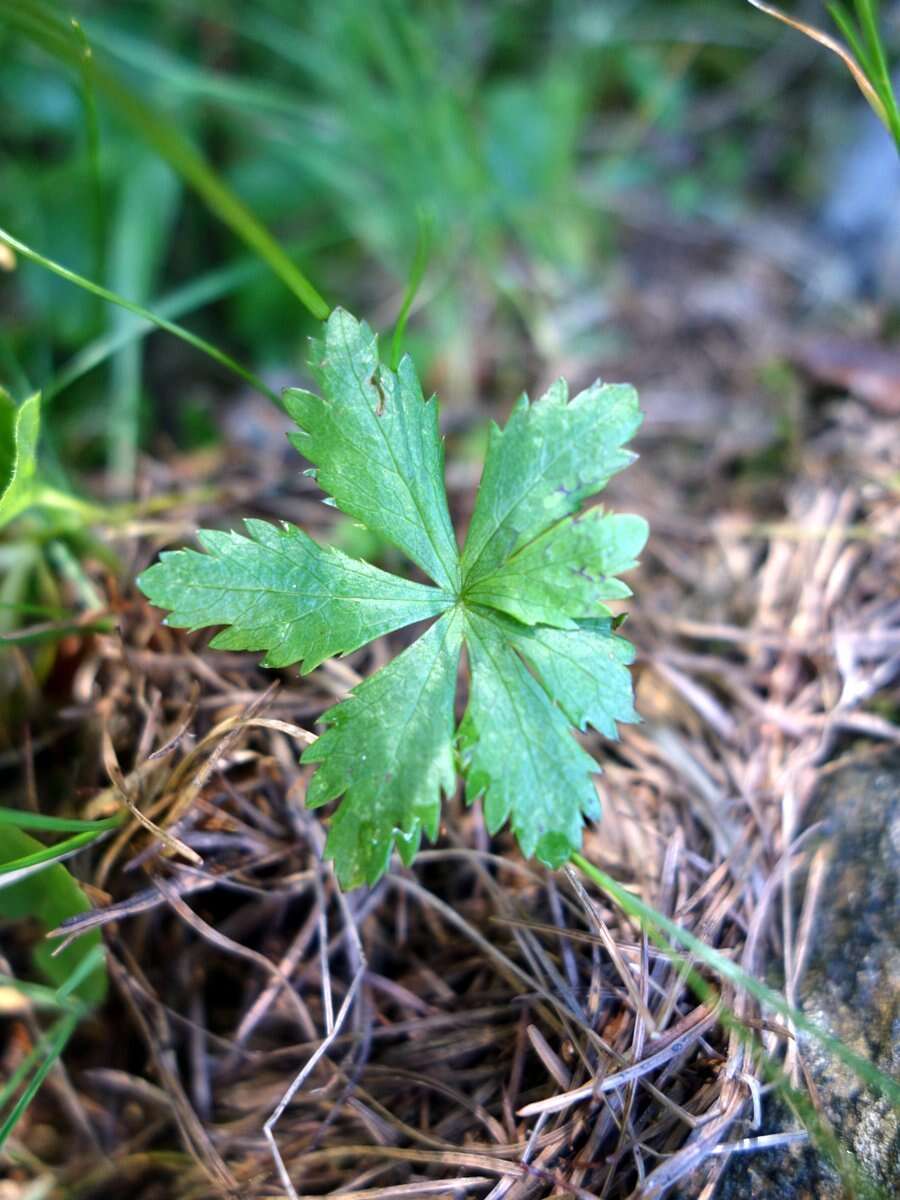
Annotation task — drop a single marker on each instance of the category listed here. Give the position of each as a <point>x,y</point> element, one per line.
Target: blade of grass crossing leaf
<point>663,930</point>
<point>29,863</point>
<point>49,897</point>
<point>43,26</point>
<point>33,820</point>
<point>85,966</point>
<point>40,995</point>
<point>104,293</point>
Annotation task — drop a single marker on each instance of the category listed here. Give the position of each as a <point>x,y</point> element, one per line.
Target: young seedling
<point>525,596</point>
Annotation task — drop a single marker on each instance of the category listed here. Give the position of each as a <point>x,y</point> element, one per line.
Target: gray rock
<point>860,211</point>
<point>852,989</point>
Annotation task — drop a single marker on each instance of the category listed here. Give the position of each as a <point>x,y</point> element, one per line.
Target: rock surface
<point>852,989</point>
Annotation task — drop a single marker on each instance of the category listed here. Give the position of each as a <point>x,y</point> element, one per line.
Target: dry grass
<point>476,1025</point>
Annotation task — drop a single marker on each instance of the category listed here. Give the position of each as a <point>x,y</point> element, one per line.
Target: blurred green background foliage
<point>519,134</point>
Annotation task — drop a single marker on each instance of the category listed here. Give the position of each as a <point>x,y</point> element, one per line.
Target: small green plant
<point>525,596</point>
<point>36,887</point>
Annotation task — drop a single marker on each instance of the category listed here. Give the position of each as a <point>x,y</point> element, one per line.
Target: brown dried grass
<point>476,1025</point>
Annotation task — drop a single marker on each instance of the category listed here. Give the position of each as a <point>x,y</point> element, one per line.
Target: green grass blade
<point>11,371</point>
<point>868,48</point>
<point>32,820</point>
<point>205,289</point>
<point>179,75</point>
<point>865,18</point>
<point>856,1183</point>
<point>416,275</point>
<point>19,868</point>
<point>879,71</point>
<point>49,1047</point>
<point>50,613</point>
<point>93,960</point>
<point>142,220</point>
<point>15,1081</point>
<point>41,25</point>
<point>662,929</point>
<point>92,139</point>
<point>844,22</point>
<point>41,996</point>
<point>55,1044</point>
<point>192,339</point>
<point>39,635</point>
<point>25,1067</point>
<point>865,15</point>
<point>50,898</point>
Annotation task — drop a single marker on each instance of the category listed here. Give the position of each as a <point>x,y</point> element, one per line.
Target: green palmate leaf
<point>526,598</point>
<point>19,431</point>
<point>566,572</point>
<point>549,459</point>
<point>375,443</point>
<point>278,591</point>
<point>388,750</point>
